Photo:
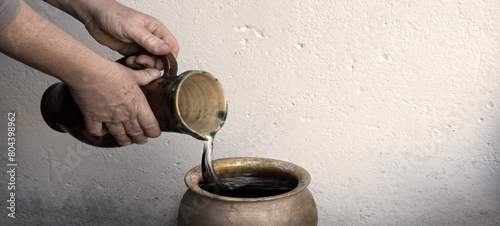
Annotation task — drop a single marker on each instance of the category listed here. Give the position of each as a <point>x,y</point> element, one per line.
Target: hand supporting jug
<point>192,103</point>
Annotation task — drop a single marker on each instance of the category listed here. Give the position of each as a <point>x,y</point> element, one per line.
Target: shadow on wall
<point>92,207</point>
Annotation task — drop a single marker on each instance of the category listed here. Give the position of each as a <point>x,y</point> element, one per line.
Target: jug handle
<point>169,61</point>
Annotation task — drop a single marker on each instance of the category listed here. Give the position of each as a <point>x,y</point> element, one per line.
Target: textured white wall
<point>392,106</point>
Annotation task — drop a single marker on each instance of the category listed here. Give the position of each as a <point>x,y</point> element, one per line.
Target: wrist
<point>94,71</point>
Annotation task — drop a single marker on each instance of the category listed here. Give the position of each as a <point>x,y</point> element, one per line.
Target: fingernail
<point>154,72</point>
<point>164,48</point>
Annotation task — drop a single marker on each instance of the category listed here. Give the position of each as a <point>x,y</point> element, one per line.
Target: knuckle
<point>150,39</point>
<point>136,134</point>
<point>151,125</point>
<point>119,133</point>
<point>94,132</point>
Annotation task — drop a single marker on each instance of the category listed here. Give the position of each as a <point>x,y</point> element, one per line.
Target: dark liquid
<point>249,187</point>
<point>241,186</point>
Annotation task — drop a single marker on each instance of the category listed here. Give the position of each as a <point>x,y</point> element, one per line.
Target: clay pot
<point>295,207</point>
<point>192,103</point>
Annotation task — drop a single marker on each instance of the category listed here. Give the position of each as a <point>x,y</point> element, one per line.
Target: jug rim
<point>176,86</point>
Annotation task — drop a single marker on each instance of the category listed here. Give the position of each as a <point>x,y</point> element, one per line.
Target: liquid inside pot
<point>239,182</point>
<point>250,186</point>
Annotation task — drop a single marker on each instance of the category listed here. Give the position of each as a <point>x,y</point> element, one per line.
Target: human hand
<point>123,29</point>
<point>114,99</point>
<point>105,91</point>
<point>128,31</point>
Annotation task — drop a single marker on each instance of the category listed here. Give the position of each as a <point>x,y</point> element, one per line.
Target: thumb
<point>143,77</point>
<point>151,42</point>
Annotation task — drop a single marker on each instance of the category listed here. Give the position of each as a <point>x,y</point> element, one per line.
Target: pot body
<point>296,207</point>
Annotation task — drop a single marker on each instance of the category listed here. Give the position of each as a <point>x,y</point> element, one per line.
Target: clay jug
<point>192,103</point>
<point>293,208</point>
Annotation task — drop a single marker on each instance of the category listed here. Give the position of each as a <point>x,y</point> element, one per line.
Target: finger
<point>135,131</point>
<point>95,128</point>
<point>175,49</point>
<point>130,62</point>
<point>145,61</point>
<point>141,62</point>
<point>148,122</point>
<point>129,49</point>
<point>164,34</point>
<point>118,131</point>
<point>143,77</point>
<point>153,43</point>
<point>159,64</point>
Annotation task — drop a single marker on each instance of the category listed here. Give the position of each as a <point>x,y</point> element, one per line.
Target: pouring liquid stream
<point>207,168</point>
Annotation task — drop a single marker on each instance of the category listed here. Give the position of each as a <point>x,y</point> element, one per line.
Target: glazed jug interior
<point>201,103</point>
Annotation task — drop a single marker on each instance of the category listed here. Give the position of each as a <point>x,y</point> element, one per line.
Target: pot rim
<point>194,176</point>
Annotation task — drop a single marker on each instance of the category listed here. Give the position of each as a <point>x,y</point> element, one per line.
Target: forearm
<point>82,10</point>
<point>31,39</point>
